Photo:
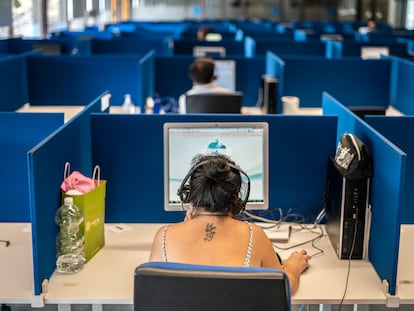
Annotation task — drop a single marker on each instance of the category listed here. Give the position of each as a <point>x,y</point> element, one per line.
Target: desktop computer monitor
<point>209,51</point>
<point>48,48</point>
<point>182,141</point>
<point>374,52</point>
<point>225,71</point>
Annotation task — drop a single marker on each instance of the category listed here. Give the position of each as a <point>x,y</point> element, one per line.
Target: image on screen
<point>245,143</point>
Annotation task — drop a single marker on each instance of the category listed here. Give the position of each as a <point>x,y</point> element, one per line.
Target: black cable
<point>349,259</point>
<point>312,241</point>
<point>6,242</point>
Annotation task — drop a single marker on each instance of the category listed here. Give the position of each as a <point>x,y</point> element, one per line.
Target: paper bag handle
<point>97,174</point>
<point>67,170</point>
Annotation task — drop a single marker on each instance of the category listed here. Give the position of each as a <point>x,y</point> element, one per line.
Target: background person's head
<point>202,71</point>
<point>215,185</point>
<point>202,32</point>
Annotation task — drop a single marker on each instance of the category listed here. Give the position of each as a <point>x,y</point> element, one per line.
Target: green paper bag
<point>92,205</point>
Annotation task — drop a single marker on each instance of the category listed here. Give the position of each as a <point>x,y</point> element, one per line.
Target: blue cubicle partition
<point>4,47</point>
<point>68,80</point>
<point>354,49</point>
<point>69,143</point>
<point>172,79</point>
<point>402,91</point>
<point>282,48</point>
<point>133,163</point>
<point>13,86</point>
<point>65,46</point>
<point>387,189</point>
<point>162,46</point>
<point>144,29</point>
<point>399,130</point>
<point>19,132</point>
<point>353,81</point>
<point>186,46</point>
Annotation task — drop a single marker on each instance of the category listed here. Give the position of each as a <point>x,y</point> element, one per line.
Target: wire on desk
<point>312,241</point>
<point>6,242</point>
<point>349,259</point>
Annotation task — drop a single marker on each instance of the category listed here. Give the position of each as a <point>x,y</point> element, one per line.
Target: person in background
<point>202,32</point>
<point>202,75</point>
<point>210,234</point>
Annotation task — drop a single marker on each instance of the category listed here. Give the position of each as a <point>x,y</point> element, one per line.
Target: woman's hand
<point>297,261</point>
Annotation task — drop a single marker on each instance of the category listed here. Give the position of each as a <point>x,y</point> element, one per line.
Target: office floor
<point>129,308</point>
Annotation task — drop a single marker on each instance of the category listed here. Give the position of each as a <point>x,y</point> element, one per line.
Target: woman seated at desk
<point>209,234</point>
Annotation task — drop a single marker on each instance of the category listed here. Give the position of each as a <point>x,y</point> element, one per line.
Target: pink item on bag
<point>77,181</point>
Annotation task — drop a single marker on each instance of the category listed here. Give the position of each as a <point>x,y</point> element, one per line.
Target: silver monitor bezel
<point>250,205</point>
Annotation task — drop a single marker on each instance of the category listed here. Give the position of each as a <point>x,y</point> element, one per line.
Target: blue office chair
<point>175,286</point>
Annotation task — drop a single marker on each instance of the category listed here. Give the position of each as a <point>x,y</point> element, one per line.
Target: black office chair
<point>362,111</point>
<point>185,287</point>
<point>214,103</point>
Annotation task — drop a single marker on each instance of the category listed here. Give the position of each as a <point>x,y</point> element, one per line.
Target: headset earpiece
<point>184,193</point>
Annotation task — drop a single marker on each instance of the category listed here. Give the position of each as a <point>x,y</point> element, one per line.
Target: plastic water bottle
<point>70,239</point>
<point>128,105</point>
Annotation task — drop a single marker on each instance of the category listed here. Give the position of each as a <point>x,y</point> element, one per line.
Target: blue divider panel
<point>354,48</point>
<point>402,91</point>
<point>68,80</point>
<point>19,132</point>
<point>4,46</point>
<point>172,79</point>
<point>70,143</point>
<point>13,86</point>
<point>290,48</point>
<point>353,81</point>
<point>21,45</point>
<point>399,130</point>
<point>130,150</point>
<point>185,46</point>
<point>130,46</point>
<point>387,189</point>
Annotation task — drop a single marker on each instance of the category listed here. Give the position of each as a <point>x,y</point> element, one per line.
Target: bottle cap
<point>68,200</point>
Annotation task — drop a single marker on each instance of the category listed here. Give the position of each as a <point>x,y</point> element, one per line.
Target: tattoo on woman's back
<point>210,232</point>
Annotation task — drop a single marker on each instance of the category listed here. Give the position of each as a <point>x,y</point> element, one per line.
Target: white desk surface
<point>108,277</point>
<point>405,274</point>
<point>68,111</point>
<point>16,268</point>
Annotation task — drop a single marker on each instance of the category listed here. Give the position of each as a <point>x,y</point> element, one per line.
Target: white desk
<point>405,274</point>
<point>108,277</point>
<point>16,268</point>
<point>68,111</point>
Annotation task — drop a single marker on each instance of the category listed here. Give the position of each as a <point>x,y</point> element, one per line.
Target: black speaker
<point>270,85</point>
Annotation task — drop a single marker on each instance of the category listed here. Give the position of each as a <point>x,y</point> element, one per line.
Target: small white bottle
<point>128,105</point>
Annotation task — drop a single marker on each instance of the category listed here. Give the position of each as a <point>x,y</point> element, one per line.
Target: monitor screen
<point>225,71</point>
<point>374,52</point>
<point>210,51</point>
<point>246,143</point>
<point>48,48</point>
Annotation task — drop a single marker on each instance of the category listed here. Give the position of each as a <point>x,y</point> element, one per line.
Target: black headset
<point>184,190</point>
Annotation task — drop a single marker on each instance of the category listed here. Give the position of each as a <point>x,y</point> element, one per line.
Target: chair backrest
<point>214,103</point>
<point>175,286</point>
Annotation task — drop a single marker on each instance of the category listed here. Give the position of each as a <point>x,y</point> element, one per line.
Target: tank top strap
<point>249,247</point>
<point>163,249</point>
